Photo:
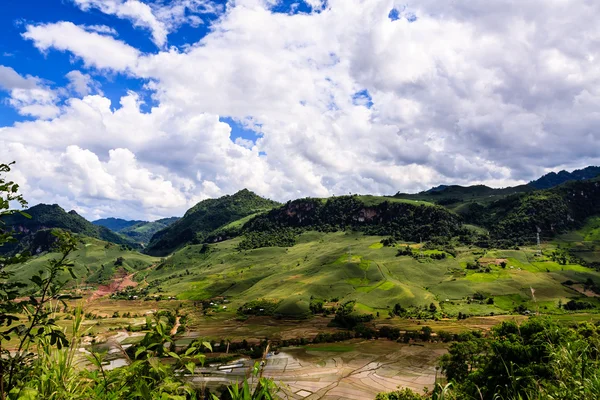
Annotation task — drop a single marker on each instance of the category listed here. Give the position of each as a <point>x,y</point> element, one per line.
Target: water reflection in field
<point>350,370</point>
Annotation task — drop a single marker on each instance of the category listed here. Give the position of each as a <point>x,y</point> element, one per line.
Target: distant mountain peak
<point>553,179</point>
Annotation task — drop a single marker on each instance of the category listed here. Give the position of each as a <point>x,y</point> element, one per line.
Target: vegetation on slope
<point>142,232</point>
<point>555,179</point>
<point>406,220</point>
<point>518,218</point>
<point>204,218</point>
<point>32,233</point>
<point>352,266</point>
<point>116,224</point>
<point>537,360</point>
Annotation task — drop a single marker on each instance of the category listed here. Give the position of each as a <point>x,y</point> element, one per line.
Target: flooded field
<point>350,370</point>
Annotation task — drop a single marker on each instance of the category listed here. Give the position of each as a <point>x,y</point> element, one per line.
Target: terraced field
<point>349,266</point>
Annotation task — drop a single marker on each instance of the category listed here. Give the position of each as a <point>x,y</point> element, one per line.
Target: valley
<point>340,298</point>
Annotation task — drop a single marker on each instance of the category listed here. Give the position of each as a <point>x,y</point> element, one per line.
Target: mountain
<point>206,217</point>
<point>138,231</point>
<point>373,215</point>
<point>142,232</point>
<point>518,218</point>
<point>33,233</point>
<point>554,179</point>
<point>116,224</point>
<point>455,196</point>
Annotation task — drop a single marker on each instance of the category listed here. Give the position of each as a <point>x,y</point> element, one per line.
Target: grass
<point>369,200</point>
<point>342,266</point>
<point>94,262</point>
<point>351,266</point>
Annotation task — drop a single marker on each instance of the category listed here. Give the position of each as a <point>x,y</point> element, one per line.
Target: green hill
<point>405,219</point>
<point>518,218</point>
<point>116,224</point>
<point>456,197</point>
<point>32,233</point>
<point>142,232</point>
<point>206,217</point>
<point>554,179</point>
<point>95,261</point>
<point>342,266</point>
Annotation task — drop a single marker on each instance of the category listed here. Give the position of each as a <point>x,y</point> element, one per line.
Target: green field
<point>95,262</point>
<point>351,266</point>
<point>338,267</point>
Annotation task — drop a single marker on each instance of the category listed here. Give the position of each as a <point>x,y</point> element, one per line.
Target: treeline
<point>537,360</point>
<point>407,221</point>
<point>516,219</point>
<point>276,238</point>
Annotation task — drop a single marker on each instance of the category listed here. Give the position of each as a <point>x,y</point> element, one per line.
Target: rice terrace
<point>299,199</point>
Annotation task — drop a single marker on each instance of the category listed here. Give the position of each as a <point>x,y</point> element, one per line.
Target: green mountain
<point>554,179</point>
<point>518,218</point>
<point>454,196</point>
<point>374,215</point>
<point>33,233</point>
<point>116,224</point>
<point>206,217</point>
<point>94,262</point>
<point>142,232</point>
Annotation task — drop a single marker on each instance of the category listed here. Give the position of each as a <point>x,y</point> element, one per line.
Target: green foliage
<point>525,361</point>
<point>403,220</point>
<point>206,217</point>
<point>275,238</point>
<point>259,307</point>
<point>553,179</point>
<point>142,232</point>
<point>33,231</point>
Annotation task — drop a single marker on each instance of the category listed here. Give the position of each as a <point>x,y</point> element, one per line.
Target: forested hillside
<point>33,233</point>
<point>520,217</point>
<point>407,220</point>
<point>204,218</point>
<point>554,179</point>
<point>142,232</point>
<point>116,224</point>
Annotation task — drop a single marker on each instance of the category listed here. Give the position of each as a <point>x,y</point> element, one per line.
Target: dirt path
<point>117,283</point>
<point>175,327</point>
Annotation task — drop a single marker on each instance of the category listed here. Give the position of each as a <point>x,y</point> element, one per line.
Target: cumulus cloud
<point>349,98</point>
<point>158,17</point>
<point>82,84</point>
<point>96,50</point>
<point>29,95</point>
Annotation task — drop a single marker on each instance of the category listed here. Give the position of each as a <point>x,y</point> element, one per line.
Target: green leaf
<point>139,351</point>
<point>190,367</point>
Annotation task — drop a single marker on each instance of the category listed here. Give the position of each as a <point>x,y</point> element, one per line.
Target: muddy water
<point>350,370</point>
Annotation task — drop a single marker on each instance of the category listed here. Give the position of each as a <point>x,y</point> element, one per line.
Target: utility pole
<point>539,247</point>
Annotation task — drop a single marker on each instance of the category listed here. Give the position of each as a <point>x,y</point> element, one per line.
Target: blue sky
<point>142,108</point>
<point>22,56</point>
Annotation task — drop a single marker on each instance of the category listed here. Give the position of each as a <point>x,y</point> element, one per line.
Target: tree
<point>432,308</point>
<point>14,366</point>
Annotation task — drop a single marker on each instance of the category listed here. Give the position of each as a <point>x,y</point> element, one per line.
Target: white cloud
<point>158,17</point>
<point>102,29</point>
<point>82,84</point>
<point>29,95</point>
<point>462,92</point>
<point>139,13</point>
<point>96,50</point>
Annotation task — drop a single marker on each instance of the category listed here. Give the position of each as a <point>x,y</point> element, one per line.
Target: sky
<point>140,109</point>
